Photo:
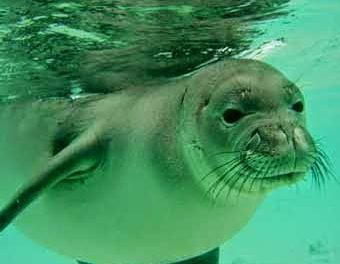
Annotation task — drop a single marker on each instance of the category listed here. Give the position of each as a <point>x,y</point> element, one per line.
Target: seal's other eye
<point>232,115</point>
<point>298,107</point>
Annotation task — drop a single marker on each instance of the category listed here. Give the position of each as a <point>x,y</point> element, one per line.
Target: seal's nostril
<point>255,131</point>
<point>254,141</point>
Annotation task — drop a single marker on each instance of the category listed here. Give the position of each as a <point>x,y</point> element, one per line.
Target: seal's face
<point>251,130</point>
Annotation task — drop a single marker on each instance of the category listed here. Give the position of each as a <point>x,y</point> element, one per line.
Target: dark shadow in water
<point>49,47</point>
<point>211,257</point>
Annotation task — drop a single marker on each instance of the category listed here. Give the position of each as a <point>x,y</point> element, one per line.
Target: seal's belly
<point>131,217</point>
<point>137,215</point>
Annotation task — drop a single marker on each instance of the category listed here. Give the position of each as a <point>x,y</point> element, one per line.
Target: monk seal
<point>154,174</point>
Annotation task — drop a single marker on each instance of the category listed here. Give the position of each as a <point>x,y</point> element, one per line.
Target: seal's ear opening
<point>69,157</point>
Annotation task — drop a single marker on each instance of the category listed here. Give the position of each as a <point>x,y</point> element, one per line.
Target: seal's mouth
<point>268,177</point>
<point>266,170</point>
<point>291,176</point>
<point>259,174</point>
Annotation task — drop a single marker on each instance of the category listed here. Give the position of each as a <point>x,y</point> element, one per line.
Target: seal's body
<point>157,174</point>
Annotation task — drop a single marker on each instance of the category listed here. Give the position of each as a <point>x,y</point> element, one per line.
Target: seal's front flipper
<point>211,257</point>
<point>67,162</point>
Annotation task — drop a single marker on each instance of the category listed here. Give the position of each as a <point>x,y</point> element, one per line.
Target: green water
<point>302,225</point>
<point>297,225</point>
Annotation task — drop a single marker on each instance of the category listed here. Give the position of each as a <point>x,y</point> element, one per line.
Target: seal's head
<point>245,129</point>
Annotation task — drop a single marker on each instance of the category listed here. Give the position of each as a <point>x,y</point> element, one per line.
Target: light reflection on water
<point>63,43</point>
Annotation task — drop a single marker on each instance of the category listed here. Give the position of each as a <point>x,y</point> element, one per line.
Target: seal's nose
<point>270,139</point>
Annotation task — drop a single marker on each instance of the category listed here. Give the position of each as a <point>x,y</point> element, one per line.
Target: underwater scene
<point>159,131</point>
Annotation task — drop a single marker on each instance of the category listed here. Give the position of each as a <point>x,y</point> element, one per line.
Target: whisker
<point>315,177</point>
<point>219,167</point>
<point>232,185</point>
<point>226,184</point>
<point>326,165</point>
<point>317,173</point>
<point>256,177</point>
<point>321,167</point>
<point>323,170</point>
<point>238,164</point>
<point>244,168</point>
<point>245,180</point>
<point>223,153</point>
<point>216,183</point>
<point>253,158</point>
<point>267,165</point>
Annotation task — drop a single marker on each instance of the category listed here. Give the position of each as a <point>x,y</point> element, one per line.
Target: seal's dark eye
<point>231,115</point>
<point>298,107</point>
